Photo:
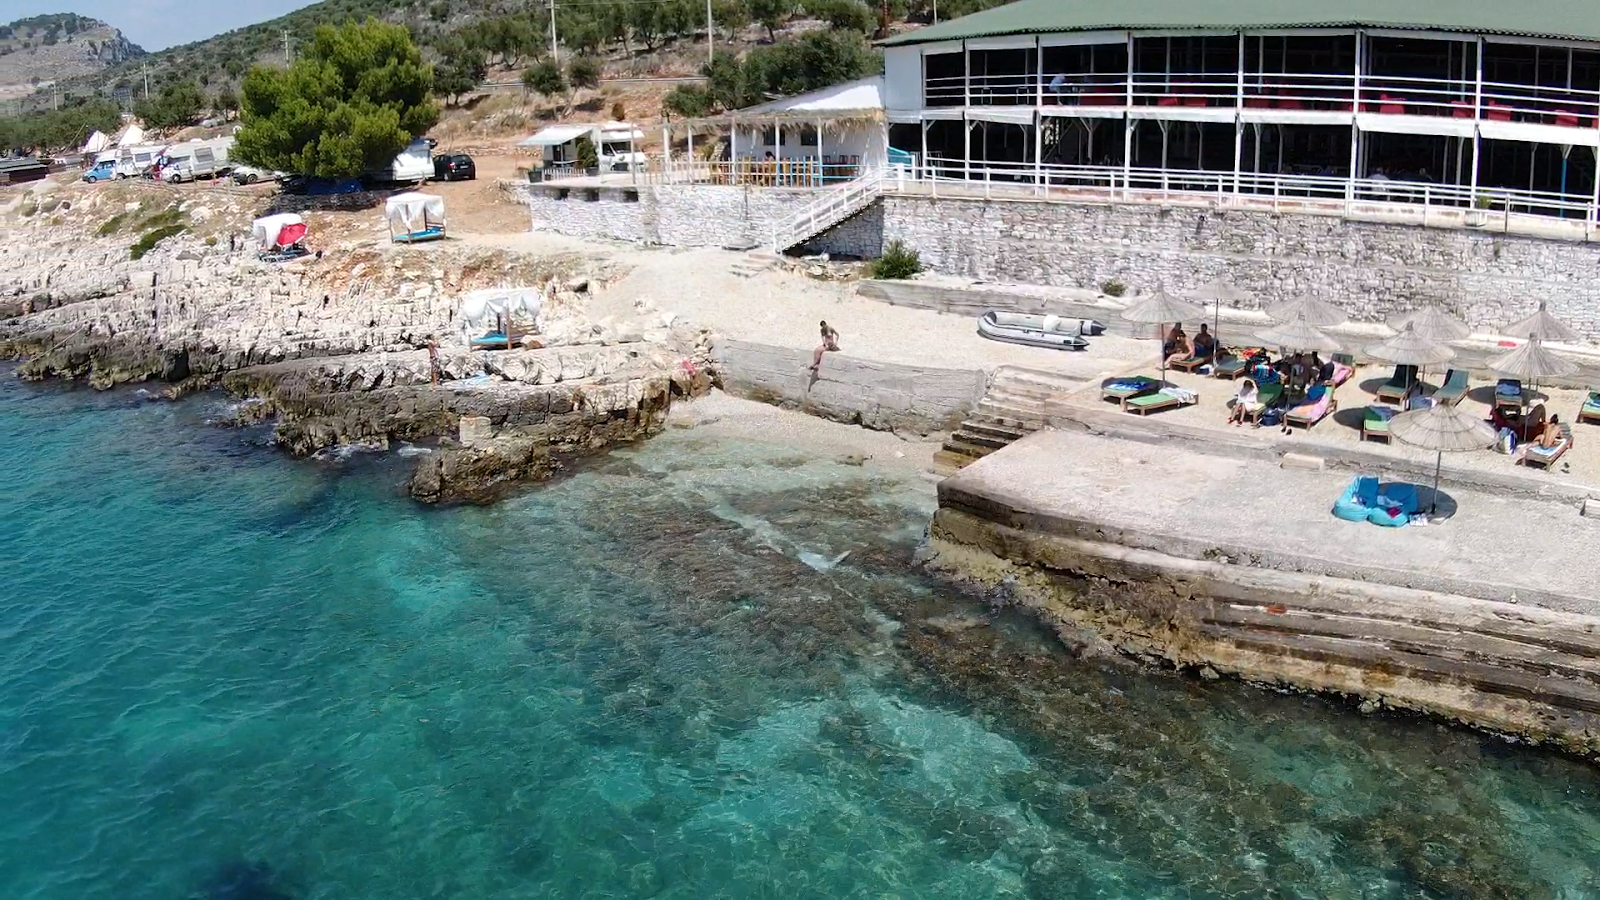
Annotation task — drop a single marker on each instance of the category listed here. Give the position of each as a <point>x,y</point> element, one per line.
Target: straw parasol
<point>1320,313</point>
<point>1408,348</point>
<point>1532,362</point>
<point>1443,429</point>
<point>1220,292</point>
<point>1543,326</point>
<point>1433,323</point>
<point>1297,332</point>
<point>1158,309</point>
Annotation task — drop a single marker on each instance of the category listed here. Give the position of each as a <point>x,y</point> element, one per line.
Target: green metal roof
<point>1575,19</point>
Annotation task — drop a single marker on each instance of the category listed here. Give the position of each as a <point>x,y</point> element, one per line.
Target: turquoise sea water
<point>230,675</point>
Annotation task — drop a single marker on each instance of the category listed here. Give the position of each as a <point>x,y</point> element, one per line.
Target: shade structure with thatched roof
<point>1158,309</point>
<point>1532,362</point>
<point>1297,332</point>
<point>1432,323</point>
<point>1543,326</point>
<point>1408,348</point>
<point>1442,428</point>
<point>1319,313</point>
<point>1220,292</point>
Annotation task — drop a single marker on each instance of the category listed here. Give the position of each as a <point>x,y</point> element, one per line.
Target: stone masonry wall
<point>699,215</point>
<point>1373,270</point>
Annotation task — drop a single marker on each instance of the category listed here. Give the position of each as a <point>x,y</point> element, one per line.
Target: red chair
<point>1290,103</point>
<point>1168,101</point>
<point>1567,119</point>
<point>1390,106</point>
<point>1461,109</point>
<point>1257,103</point>
<point>1497,111</point>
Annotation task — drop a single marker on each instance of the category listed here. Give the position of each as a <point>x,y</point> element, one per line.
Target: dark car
<point>454,167</point>
<point>299,184</point>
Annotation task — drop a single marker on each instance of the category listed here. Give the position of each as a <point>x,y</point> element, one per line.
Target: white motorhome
<point>614,144</point>
<point>414,163</point>
<point>197,159</point>
<point>136,160</point>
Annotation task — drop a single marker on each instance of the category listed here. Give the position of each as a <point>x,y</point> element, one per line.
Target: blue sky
<point>158,24</point>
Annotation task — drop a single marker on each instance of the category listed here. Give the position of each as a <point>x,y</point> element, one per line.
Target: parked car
<point>299,184</point>
<point>252,175</point>
<point>104,170</point>
<point>454,167</point>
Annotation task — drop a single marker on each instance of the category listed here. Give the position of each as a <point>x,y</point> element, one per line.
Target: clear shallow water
<point>226,674</point>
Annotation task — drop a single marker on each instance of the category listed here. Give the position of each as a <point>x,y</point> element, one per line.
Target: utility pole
<point>710,35</point>
<point>554,53</point>
<point>286,46</point>
<point>146,71</point>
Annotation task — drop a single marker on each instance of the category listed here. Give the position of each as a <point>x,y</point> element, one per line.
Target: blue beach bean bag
<point>1354,505</point>
<point>1395,505</point>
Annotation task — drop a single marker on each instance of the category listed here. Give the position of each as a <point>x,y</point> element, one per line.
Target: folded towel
<point>1183,395</point>
<point>1548,451</point>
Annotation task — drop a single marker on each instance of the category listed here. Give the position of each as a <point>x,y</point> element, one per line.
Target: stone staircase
<point>754,262</point>
<point>1018,403</point>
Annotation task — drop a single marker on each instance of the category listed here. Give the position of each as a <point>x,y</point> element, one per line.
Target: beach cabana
<point>280,236</point>
<point>414,217</point>
<point>497,307</point>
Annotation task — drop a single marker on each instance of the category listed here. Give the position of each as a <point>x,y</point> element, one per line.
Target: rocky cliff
<point>44,49</point>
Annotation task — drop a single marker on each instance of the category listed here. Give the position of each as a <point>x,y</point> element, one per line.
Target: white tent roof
<point>861,95</point>
<point>412,204</point>
<point>132,137</point>
<point>97,142</point>
<point>555,135</point>
<point>264,230</point>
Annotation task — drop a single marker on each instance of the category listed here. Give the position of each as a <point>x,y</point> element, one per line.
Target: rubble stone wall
<point>1374,270</point>
<point>690,215</point>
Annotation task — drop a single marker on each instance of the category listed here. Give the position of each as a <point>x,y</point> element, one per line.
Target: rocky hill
<point>41,50</point>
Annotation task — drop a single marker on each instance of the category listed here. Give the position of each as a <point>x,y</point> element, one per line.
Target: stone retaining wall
<point>691,215</point>
<point>881,396</point>
<point>1374,270</point>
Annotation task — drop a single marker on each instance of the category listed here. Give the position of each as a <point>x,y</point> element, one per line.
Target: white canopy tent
<point>96,143</point>
<point>132,137</point>
<point>414,216</point>
<point>497,306</point>
<point>277,231</point>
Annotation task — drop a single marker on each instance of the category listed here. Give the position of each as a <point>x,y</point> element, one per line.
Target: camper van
<point>196,159</point>
<point>133,162</point>
<point>413,164</point>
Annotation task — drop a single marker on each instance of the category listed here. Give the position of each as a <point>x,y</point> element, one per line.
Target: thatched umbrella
<point>1299,333</point>
<point>1408,348</point>
<point>1543,326</point>
<point>1220,292</point>
<point>1433,323</point>
<point>1442,428</point>
<point>1158,309</point>
<point>1532,362</point>
<point>1320,313</point>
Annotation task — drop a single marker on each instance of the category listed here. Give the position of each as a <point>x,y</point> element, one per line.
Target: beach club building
<point>1466,103</point>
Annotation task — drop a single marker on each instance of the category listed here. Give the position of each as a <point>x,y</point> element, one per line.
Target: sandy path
<point>783,309</point>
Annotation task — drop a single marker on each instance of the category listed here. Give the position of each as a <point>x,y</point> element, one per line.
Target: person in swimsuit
<point>830,342</point>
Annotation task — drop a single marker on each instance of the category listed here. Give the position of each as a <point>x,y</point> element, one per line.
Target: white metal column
<point>666,151</point>
<point>1038,150</point>
<point>1355,130</point>
<point>1128,122</point>
<point>1477,115</point>
<point>1238,117</point>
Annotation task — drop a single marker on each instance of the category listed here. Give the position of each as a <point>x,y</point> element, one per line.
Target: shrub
<point>111,225</point>
<point>584,72</point>
<point>897,263</point>
<point>588,157</point>
<point>1113,288</point>
<point>151,238</point>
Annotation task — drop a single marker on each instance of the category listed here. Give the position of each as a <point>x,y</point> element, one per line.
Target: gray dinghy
<point>1054,332</point>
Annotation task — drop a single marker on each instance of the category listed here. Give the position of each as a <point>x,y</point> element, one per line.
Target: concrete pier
<point>1225,564</point>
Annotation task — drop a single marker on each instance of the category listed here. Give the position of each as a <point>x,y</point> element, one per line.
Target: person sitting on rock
<point>830,342</point>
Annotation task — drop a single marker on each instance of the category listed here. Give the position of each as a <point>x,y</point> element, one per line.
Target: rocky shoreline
<point>333,350</point>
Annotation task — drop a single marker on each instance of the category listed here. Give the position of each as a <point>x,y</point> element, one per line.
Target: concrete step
<point>946,463</point>
<point>978,439</point>
<point>1038,379</point>
<point>1008,415</point>
<point>994,429</point>
<point>955,446</point>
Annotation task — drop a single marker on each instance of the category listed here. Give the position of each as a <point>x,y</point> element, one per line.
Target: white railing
<point>1508,210</point>
<point>828,210</point>
<point>1375,94</point>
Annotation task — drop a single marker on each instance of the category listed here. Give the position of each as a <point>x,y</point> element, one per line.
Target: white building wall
<point>902,81</point>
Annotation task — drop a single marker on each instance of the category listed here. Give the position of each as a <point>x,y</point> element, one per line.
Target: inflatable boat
<point>1054,332</point>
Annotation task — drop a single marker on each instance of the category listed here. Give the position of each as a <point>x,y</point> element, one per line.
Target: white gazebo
<point>824,136</point>
<point>414,217</point>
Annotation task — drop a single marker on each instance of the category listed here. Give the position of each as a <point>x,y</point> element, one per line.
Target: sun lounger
<point>1398,384</point>
<point>1591,409</point>
<point>495,340</point>
<point>1318,406</point>
<point>1535,455</point>
<point>1375,423</point>
<point>1508,394</point>
<point>1190,364</point>
<point>1453,389</point>
<point>1124,389</point>
<point>1149,403</point>
<point>1268,395</point>
<point>1230,367</point>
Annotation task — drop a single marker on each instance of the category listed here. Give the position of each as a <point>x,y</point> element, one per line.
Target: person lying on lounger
<point>1181,351</point>
<point>1551,435</point>
<point>1245,403</point>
